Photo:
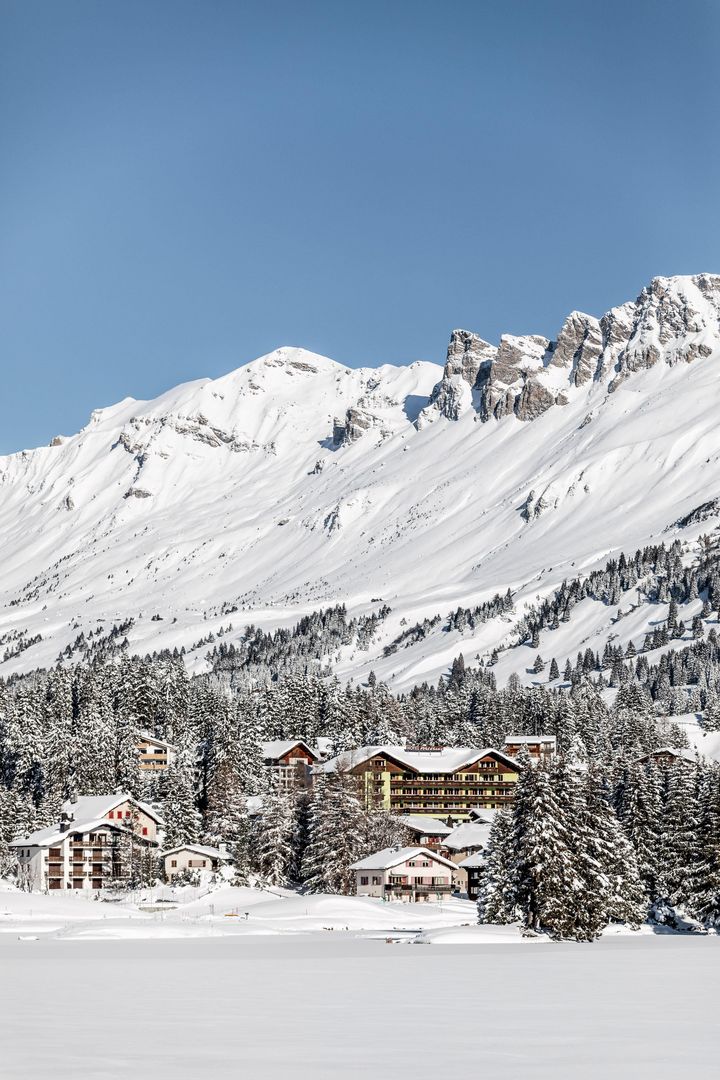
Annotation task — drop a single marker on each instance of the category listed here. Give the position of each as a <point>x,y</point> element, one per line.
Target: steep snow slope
<point>295,483</point>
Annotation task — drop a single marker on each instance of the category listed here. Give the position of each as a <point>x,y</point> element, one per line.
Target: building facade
<point>539,747</point>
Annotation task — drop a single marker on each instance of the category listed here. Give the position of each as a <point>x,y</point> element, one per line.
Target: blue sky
<point>187,185</point>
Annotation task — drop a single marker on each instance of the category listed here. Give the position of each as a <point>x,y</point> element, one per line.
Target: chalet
<point>96,844</point>
<point>192,857</point>
<point>539,747</point>
<point>440,781</point>
<point>154,755</point>
<point>413,873</point>
<point>289,763</point>
<point>669,755</point>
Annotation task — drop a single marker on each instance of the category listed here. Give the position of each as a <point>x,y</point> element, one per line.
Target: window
<point>173,862</point>
<point>127,813</point>
<point>144,832</point>
<point>377,881</point>
<point>364,880</point>
<point>111,815</point>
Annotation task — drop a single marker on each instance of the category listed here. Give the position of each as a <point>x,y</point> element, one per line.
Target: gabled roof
<point>483,814</point>
<point>524,740</point>
<point>389,857</point>
<point>476,859</point>
<point>277,747</point>
<point>200,849</point>
<point>426,826</point>
<point>448,760</point>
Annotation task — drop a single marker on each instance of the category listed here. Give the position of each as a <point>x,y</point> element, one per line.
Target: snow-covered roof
<point>277,747</point>
<point>86,813</point>
<point>448,760</point>
<point>482,813</point>
<point>426,825</point>
<point>471,834</point>
<point>199,849</point>
<point>389,857</point>
<point>145,736</point>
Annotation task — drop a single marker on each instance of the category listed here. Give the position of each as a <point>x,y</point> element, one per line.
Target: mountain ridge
<point>294,483</point>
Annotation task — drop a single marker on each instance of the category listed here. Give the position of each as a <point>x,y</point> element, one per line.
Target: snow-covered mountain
<point>294,483</point>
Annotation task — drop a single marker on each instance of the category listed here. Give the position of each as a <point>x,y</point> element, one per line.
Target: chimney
<point>66,820</point>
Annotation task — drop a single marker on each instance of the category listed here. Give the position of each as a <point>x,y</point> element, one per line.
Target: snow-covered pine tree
<point>497,899</point>
<point>336,832</point>
<point>276,829</point>
<point>182,819</point>
<point>639,809</point>
<point>609,887</point>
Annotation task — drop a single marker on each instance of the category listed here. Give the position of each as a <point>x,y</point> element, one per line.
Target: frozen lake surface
<point>335,1005</point>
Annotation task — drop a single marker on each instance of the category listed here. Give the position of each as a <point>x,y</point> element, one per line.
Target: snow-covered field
<point>320,987</point>
<point>342,1007</point>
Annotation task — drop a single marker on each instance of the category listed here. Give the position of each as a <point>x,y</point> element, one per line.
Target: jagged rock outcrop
<point>673,320</point>
<point>508,385</point>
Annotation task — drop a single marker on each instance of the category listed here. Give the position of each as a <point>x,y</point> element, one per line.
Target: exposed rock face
<point>578,347</point>
<point>673,320</point>
<point>503,384</point>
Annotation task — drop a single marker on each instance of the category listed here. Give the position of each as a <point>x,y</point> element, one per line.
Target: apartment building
<point>432,781</point>
<point>95,844</point>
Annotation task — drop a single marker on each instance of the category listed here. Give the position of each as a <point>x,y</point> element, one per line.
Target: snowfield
<point>334,1006</point>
